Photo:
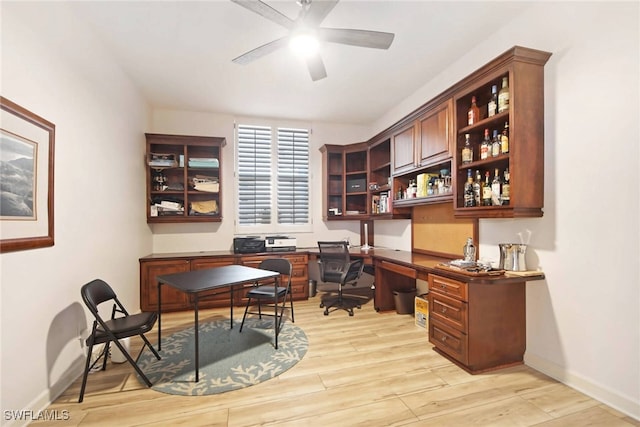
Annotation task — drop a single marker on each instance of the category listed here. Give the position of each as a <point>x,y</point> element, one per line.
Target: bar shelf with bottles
<point>433,184</point>
<point>516,77</point>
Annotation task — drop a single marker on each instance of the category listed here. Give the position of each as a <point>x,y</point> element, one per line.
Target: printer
<point>248,245</point>
<point>280,243</point>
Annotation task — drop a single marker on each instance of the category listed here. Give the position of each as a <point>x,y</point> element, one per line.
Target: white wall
<point>583,324</point>
<point>219,236</point>
<point>61,74</point>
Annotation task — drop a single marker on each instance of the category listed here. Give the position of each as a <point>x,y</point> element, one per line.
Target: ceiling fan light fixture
<point>304,43</point>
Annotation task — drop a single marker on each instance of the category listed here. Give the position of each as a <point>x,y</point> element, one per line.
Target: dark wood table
<point>195,282</point>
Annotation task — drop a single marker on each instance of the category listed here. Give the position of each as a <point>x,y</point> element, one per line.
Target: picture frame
<point>26,179</point>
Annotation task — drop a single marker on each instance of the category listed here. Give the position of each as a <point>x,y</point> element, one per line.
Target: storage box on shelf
<point>523,71</point>
<point>183,178</point>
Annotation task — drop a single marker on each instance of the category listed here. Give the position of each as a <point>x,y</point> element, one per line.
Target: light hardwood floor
<point>373,369</point>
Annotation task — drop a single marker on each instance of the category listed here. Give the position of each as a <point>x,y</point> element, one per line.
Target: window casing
<point>272,175</point>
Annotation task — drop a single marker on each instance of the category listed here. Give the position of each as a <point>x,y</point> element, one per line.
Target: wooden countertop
<point>422,263</point>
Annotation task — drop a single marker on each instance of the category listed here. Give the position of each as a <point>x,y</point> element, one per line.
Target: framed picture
<point>26,179</point>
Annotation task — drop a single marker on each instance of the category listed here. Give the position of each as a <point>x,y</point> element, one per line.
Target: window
<point>273,179</point>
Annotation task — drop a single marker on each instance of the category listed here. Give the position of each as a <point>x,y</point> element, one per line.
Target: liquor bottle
<point>467,150</point>
<point>504,138</point>
<point>473,115</point>
<point>477,188</point>
<point>492,107</point>
<point>469,199</point>
<point>495,190</point>
<point>495,144</point>
<point>506,188</point>
<point>485,147</point>
<point>486,191</point>
<point>503,96</point>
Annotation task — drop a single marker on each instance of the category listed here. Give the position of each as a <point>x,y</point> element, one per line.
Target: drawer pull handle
<point>444,309</point>
<point>443,339</point>
<point>443,286</point>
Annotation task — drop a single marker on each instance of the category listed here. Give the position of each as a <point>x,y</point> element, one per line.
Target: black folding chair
<point>120,325</point>
<point>272,294</point>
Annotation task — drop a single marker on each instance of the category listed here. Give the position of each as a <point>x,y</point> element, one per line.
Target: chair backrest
<point>279,265</point>
<point>95,293</point>
<point>334,260</point>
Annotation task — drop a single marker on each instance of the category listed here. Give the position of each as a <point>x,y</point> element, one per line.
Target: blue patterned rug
<point>229,360</point>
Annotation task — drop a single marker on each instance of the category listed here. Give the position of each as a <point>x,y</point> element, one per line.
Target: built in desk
<point>478,322</point>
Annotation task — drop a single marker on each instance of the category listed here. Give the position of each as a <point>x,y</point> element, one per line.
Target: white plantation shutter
<point>293,176</point>
<point>273,178</point>
<point>254,175</point>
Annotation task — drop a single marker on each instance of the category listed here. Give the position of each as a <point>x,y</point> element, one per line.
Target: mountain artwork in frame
<point>26,179</point>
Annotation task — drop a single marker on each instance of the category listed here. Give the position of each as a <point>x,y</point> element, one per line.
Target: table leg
<point>159,318</point>
<point>231,309</point>
<point>196,336</point>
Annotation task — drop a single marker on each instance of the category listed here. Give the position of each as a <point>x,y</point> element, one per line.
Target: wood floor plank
<point>373,369</point>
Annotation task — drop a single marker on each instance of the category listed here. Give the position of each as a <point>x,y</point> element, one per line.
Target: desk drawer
<point>399,269</point>
<point>448,340</point>
<point>446,286</point>
<point>451,311</point>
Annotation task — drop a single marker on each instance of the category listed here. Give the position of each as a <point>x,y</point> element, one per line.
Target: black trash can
<point>404,300</point>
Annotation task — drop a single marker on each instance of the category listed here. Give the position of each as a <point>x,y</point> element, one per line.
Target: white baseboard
<point>587,386</point>
<point>46,397</point>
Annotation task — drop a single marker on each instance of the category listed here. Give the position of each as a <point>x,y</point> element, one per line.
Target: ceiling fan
<point>307,24</point>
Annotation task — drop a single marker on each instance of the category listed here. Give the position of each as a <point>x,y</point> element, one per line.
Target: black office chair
<point>120,325</point>
<point>336,266</point>
<point>272,294</point>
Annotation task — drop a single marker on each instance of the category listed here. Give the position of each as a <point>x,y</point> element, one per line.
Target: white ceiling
<point>179,54</point>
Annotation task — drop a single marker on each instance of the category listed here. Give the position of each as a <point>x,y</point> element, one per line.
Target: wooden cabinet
<point>436,134</point>
<point>183,178</point>
<point>172,300</point>
<point>404,152</point>
<point>422,153</point>
<point>523,69</point>
<point>345,181</point>
<point>479,325</point>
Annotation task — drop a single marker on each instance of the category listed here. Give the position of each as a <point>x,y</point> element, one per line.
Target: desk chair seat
<point>336,266</point>
<point>272,294</point>
<point>104,332</point>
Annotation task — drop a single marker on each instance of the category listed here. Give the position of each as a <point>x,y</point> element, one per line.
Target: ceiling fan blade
<point>316,67</point>
<point>266,11</point>
<point>261,51</point>
<point>362,38</point>
<point>318,10</point>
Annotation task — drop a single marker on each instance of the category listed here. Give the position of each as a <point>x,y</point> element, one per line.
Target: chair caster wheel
<point>351,313</point>
<point>321,305</point>
<point>326,312</point>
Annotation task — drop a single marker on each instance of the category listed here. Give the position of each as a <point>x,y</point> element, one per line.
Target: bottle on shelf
<point>504,138</point>
<point>492,107</point>
<point>495,189</point>
<point>473,115</point>
<point>506,188</point>
<point>477,188</point>
<point>485,147</point>
<point>495,144</point>
<point>503,96</point>
<point>469,197</point>
<point>467,150</point>
<point>486,190</point>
